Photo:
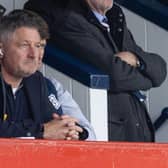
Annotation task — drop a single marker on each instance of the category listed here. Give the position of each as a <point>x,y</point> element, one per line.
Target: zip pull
<point>5,116</point>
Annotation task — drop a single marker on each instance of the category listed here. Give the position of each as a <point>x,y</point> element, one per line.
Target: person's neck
<point>102,12</point>
<point>11,80</point>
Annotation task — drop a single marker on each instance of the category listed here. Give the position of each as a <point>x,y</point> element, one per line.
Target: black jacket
<point>75,29</point>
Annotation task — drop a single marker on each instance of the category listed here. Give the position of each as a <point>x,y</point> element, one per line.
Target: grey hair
<point>22,18</point>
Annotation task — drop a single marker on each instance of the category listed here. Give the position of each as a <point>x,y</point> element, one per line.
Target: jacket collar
<point>82,7</point>
<point>113,16</point>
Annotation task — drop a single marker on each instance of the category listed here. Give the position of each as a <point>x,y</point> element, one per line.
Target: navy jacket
<point>34,91</point>
<point>30,108</point>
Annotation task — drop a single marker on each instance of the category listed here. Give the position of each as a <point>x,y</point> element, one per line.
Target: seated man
<point>26,107</point>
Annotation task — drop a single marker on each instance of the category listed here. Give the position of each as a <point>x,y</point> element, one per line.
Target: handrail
<point>161,119</point>
<point>75,68</point>
<point>154,10</point>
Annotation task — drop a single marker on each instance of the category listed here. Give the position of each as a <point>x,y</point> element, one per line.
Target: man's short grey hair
<point>22,18</point>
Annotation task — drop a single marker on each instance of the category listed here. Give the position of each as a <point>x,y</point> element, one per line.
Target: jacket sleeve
<point>71,108</point>
<point>25,128</point>
<point>155,67</point>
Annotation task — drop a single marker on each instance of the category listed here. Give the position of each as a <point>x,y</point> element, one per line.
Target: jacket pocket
<point>117,129</point>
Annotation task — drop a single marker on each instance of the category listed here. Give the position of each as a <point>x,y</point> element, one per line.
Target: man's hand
<point>128,57</point>
<point>74,129</point>
<point>62,127</point>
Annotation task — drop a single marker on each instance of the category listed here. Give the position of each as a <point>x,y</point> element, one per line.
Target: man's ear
<point>1,52</point>
<point>2,10</point>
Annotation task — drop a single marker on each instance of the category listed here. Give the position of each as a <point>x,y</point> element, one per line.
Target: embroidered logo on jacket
<point>54,101</point>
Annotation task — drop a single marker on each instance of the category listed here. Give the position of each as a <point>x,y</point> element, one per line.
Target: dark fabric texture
<point>76,30</point>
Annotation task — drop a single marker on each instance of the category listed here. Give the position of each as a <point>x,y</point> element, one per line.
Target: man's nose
<point>32,52</point>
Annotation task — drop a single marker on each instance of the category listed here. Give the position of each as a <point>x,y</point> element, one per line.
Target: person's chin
<point>29,73</point>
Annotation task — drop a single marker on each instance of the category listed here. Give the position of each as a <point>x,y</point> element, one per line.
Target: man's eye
<point>24,45</point>
<point>43,45</point>
<point>40,45</point>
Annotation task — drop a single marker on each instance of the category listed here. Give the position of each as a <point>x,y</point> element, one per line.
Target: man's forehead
<point>26,34</point>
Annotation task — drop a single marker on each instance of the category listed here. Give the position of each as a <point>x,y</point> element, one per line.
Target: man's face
<point>22,53</point>
<point>101,6</point>
<point>43,43</point>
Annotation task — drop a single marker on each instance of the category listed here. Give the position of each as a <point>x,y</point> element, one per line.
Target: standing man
<point>96,32</point>
<point>25,110</point>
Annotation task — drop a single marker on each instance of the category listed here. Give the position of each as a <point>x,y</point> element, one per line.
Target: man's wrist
<point>138,63</point>
<point>40,132</point>
<point>84,134</point>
